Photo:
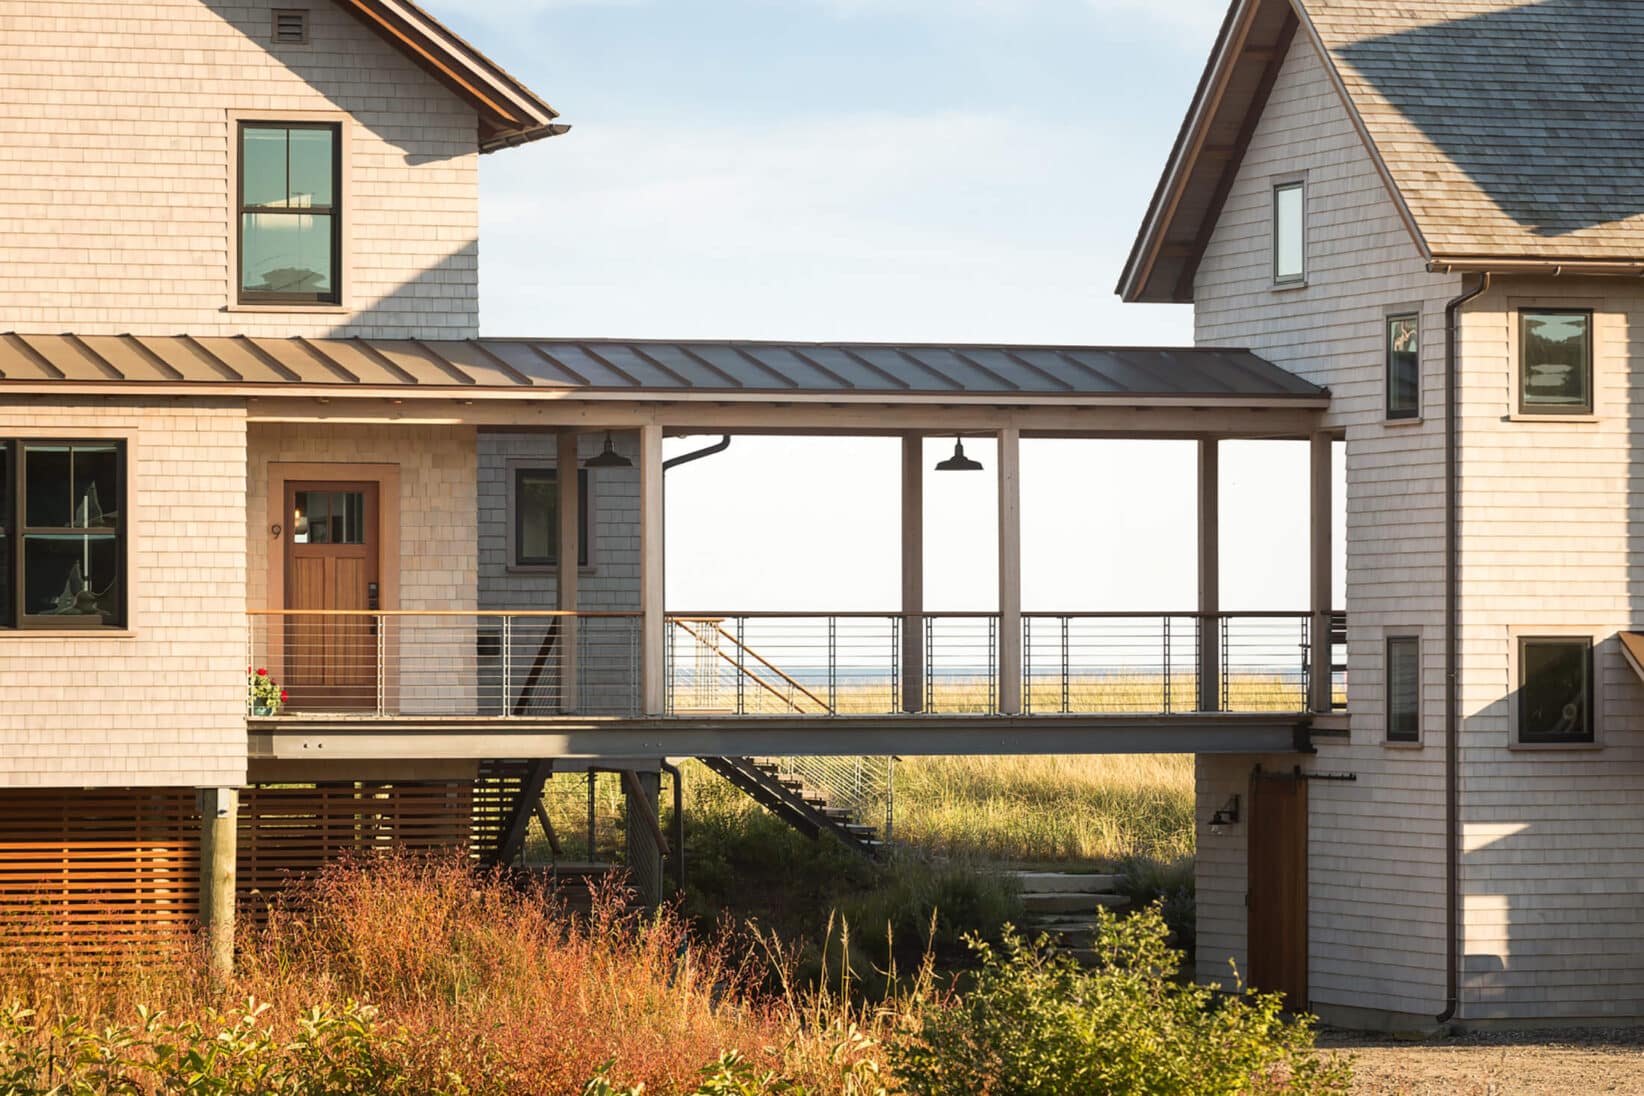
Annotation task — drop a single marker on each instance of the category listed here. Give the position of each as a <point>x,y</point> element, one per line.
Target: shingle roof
<point>645,369</point>
<point>1511,128</point>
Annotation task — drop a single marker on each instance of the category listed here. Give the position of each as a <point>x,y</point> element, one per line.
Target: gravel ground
<point>1558,1063</point>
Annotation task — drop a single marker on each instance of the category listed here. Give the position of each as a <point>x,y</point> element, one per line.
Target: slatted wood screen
<point>89,872</point>
<point>289,833</point>
<point>496,794</point>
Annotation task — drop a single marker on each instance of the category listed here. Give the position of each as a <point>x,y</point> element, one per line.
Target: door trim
<point>387,479</point>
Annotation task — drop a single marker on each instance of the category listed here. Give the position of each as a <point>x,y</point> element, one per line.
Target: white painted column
<point>1010,572</point>
<point>653,625</point>
<point>219,869</point>
<point>913,574</point>
<point>1210,576</point>
<point>568,478</point>
<point>1322,558</point>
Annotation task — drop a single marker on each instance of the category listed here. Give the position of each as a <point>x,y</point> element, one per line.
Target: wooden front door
<point>1278,887</point>
<point>331,564</point>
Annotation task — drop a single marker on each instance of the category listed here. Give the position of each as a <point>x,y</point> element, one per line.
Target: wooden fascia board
<point>503,108</point>
<point>1188,147</point>
<point>1363,130</point>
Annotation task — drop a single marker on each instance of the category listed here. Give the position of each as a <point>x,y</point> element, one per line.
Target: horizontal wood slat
<point>98,872</point>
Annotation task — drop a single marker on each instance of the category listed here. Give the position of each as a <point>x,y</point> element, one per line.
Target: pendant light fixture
<point>959,462</point>
<point>608,457</point>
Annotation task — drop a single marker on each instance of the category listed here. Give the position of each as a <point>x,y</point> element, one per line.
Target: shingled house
<point>1436,210</point>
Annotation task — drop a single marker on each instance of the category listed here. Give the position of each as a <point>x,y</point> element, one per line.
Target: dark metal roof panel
<point>652,368</point>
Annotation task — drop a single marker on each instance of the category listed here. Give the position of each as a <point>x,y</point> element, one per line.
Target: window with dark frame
<point>290,213</point>
<point>1403,367</point>
<point>1555,687</point>
<point>1403,689</point>
<point>1289,234</point>
<point>536,517</point>
<point>62,534</point>
<point>1555,356</point>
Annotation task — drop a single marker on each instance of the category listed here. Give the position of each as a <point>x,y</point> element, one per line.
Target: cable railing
<point>841,664</point>
<point>453,664</point>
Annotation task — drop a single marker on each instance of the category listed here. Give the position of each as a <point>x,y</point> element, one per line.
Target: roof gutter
<point>1626,268</point>
<point>1452,648</point>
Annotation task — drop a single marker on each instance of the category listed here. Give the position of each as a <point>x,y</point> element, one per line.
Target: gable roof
<point>509,112</point>
<point>648,369</point>
<point>1508,131</point>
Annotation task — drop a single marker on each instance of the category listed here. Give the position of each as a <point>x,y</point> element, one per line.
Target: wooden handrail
<point>514,614</point>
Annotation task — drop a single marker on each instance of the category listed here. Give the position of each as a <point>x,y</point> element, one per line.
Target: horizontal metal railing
<point>447,663</point>
<point>538,664</point>
<point>782,663</point>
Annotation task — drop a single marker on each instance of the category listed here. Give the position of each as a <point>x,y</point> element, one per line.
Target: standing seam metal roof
<point>646,367</point>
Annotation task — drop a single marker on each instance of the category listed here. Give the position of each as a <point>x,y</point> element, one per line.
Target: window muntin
<point>1289,233</point>
<point>290,215</point>
<point>536,517</point>
<point>62,534</point>
<point>1555,353</point>
<point>1555,678</point>
<point>1403,689</point>
<point>1403,367</point>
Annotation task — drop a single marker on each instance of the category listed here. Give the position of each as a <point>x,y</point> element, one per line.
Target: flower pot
<point>261,709</point>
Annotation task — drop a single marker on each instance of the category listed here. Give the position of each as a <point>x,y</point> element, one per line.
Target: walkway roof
<point>642,369</point>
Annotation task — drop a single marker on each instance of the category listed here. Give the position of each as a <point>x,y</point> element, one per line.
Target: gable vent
<point>291,26</point>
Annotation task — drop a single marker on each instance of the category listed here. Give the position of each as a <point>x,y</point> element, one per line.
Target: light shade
<point>959,462</point>
<point>609,457</point>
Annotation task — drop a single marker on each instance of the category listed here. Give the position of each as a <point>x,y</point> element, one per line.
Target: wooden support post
<point>1322,561</point>
<point>568,476</point>
<point>219,855</point>
<point>913,573</point>
<point>653,642</point>
<point>1010,572</point>
<point>1210,577</point>
<point>646,843</point>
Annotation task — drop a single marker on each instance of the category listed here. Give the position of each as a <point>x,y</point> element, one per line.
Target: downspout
<point>1452,649</point>
<point>719,446</point>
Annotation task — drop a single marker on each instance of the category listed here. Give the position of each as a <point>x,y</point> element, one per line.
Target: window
<point>1555,675</point>
<point>1403,689</point>
<point>1403,367</point>
<point>1289,234</point>
<point>62,534</point>
<point>1555,353</point>
<point>536,517</point>
<point>290,221</point>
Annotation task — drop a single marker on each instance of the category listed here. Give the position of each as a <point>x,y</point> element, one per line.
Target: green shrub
<point>1170,884</point>
<point>1036,1024</point>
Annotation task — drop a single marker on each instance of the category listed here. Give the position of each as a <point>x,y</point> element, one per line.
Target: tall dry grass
<point>1048,809</point>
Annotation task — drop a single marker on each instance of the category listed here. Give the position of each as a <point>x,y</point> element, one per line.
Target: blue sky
<point>970,170</point>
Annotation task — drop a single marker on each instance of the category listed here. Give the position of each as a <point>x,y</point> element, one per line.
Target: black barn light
<point>608,457</point>
<point>959,462</point>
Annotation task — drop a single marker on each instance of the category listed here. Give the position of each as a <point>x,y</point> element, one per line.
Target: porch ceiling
<point>649,371</point>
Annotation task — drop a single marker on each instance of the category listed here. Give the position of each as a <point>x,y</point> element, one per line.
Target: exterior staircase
<point>1063,906</point>
<point>792,800</point>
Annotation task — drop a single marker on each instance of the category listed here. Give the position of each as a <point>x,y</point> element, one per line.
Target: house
<point>1431,209</point>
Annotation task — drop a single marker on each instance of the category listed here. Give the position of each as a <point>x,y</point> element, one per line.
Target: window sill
<point>1541,747</point>
<point>1285,287</point>
<point>1552,418</point>
<point>289,309</point>
<point>1391,745</point>
<point>10,634</point>
<point>585,571</point>
<point>1414,421</point>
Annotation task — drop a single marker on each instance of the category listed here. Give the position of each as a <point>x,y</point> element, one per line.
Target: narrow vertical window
<point>290,221</point>
<point>8,505</point>
<point>1289,234</point>
<point>1403,367</point>
<point>1403,689</point>
<point>1555,676</point>
<point>1555,351</point>
<point>536,517</point>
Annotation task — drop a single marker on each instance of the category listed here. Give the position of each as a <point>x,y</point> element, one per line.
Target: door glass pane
<point>72,487</point>
<point>72,575</point>
<point>329,517</point>
<point>1555,352</point>
<point>536,517</point>
<point>1287,233</point>
<point>313,171</point>
<point>286,253</point>
<point>263,168</point>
